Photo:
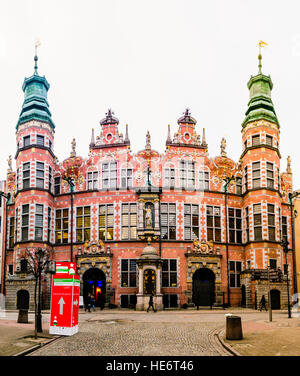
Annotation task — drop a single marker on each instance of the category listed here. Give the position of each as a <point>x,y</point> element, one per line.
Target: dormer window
<point>40,140</point>
<point>256,140</point>
<point>26,141</point>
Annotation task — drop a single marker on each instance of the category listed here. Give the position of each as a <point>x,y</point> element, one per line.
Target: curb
<point>36,347</point>
<point>227,347</point>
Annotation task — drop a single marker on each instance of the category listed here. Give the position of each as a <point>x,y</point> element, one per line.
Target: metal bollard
<point>233,327</point>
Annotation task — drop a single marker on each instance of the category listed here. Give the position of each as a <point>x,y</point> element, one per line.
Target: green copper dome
<point>35,106</point>
<point>260,105</point>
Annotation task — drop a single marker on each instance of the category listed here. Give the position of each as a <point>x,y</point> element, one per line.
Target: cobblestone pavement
<point>156,334</point>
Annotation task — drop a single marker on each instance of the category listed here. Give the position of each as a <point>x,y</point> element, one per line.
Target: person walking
<point>262,303</point>
<point>151,303</point>
<point>92,300</point>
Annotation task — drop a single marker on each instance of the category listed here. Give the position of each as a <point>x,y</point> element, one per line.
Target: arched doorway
<point>203,287</point>
<point>149,281</point>
<point>94,282</point>
<point>22,299</point>
<point>275,299</point>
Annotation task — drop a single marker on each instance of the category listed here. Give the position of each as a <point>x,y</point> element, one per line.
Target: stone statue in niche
<point>148,216</point>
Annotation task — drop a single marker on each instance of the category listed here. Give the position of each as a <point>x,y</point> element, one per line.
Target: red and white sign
<point>64,300</point>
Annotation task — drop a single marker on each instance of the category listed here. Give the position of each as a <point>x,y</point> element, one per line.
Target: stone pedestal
<point>23,316</point>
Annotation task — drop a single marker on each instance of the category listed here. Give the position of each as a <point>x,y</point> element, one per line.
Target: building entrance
<point>94,282</point>
<point>275,299</point>
<point>203,287</point>
<point>149,281</point>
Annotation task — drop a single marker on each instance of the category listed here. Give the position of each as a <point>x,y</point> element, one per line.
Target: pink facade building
<point>144,222</point>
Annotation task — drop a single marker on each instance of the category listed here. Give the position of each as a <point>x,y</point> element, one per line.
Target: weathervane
<point>261,44</point>
<point>36,45</point>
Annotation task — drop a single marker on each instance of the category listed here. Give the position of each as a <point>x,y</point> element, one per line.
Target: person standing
<point>151,303</point>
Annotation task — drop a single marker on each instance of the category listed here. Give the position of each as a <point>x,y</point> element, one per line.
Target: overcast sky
<point>148,61</point>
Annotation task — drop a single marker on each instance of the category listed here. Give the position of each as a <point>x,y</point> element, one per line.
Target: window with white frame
<point>284,227</point>
<point>83,224</point>
<point>238,185</point>
<point>246,179</point>
<point>187,174</point>
<point>247,224</point>
<point>126,178</point>
<point>128,272</point>
<point>49,225</point>
<point>270,175</point>
<point>40,140</point>
<point>26,141</point>
<point>17,179</point>
<point>191,222</point>
<point>38,228</point>
<point>271,221</point>
<point>203,180</point>
<point>235,225</point>
<point>235,268</point>
<point>213,222</point>
<point>40,174</point>
<point>169,174</point>
<point>16,225</point>
<point>129,221</point>
<point>26,175</point>
<point>255,140</point>
<point>168,221</point>
<point>255,174</point>
<point>61,226</point>
<point>169,273</point>
<point>257,222</point>
<point>50,178</point>
<point>106,222</point>
<point>109,175</point>
<point>25,222</point>
<point>11,232</point>
<point>92,180</point>
<point>57,185</point>
<point>269,140</point>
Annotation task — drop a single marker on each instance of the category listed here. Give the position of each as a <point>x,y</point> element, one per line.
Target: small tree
<point>38,261</point>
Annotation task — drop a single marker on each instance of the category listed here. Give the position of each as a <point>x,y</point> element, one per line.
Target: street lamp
<point>40,256</point>
<point>70,181</point>
<point>285,247</point>
<point>291,196</point>
<point>7,197</point>
<point>227,180</point>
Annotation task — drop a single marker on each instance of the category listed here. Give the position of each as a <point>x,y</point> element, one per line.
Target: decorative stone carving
<point>93,248</point>
<point>203,247</point>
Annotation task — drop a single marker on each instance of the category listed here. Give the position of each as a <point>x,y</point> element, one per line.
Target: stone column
<point>159,303</point>
<point>140,295</point>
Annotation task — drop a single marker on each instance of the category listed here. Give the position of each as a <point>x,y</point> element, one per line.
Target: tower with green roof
<point>260,162</point>
<point>35,159</point>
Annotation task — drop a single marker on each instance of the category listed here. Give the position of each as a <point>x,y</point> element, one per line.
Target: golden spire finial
<point>261,44</point>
